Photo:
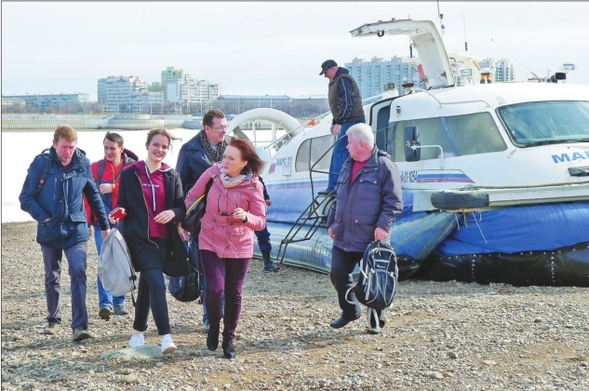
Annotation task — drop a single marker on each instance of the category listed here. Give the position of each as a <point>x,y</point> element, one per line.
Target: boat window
<point>537,123</point>
<point>431,132</point>
<point>475,133</point>
<point>314,150</point>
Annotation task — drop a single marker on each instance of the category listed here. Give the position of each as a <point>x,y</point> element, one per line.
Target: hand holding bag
<point>187,288</point>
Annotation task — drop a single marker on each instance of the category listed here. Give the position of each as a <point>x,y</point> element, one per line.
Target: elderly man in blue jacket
<point>53,195</point>
<point>367,201</point>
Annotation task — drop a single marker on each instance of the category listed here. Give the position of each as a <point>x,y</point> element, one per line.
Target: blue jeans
<point>105,298</point>
<point>76,256</point>
<point>340,153</point>
<point>225,277</point>
<point>151,294</point>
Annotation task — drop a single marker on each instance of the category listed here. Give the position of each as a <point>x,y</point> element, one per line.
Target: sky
<point>273,48</point>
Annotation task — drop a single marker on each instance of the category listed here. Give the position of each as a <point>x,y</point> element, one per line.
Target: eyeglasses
<point>219,206</point>
<point>220,127</point>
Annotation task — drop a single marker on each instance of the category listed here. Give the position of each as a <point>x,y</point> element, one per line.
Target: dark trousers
<point>76,256</point>
<point>342,267</point>
<point>264,239</point>
<point>340,153</point>
<point>151,293</point>
<point>224,276</point>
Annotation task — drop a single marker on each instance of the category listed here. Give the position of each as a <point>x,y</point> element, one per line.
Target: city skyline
<point>252,48</point>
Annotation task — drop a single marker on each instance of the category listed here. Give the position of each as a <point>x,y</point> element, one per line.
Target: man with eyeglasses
<point>197,155</point>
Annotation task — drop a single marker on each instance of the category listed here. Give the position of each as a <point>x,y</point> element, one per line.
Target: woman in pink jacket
<point>235,209</point>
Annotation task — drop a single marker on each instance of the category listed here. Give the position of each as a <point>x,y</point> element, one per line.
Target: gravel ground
<point>438,336</point>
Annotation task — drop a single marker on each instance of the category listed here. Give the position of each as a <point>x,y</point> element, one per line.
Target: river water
<point>19,148</point>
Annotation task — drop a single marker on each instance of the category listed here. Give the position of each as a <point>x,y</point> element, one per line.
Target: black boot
<point>213,337</point>
<point>269,266</point>
<point>228,349</point>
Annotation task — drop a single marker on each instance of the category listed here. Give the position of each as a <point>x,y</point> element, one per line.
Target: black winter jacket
<point>135,226</point>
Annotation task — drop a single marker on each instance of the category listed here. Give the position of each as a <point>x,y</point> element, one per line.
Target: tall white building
<point>180,86</point>
<point>127,94</point>
<point>501,70</point>
<point>371,76</point>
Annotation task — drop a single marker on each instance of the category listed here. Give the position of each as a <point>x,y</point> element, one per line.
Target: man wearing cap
<point>345,104</point>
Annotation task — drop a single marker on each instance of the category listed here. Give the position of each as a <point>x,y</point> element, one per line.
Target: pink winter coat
<point>226,236</point>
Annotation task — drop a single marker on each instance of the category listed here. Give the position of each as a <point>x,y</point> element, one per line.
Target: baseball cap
<point>326,65</point>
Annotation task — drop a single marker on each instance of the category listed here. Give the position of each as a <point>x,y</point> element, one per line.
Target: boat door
<point>379,121</point>
<point>428,42</point>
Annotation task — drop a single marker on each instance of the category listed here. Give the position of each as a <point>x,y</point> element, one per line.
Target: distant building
<point>48,102</point>
<point>128,94</point>
<point>501,70</point>
<point>371,76</point>
<point>190,94</point>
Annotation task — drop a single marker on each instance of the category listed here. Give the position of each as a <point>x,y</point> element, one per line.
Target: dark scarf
<point>215,155</point>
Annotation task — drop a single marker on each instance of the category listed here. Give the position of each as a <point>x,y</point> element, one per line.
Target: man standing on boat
<point>106,173</point>
<point>345,104</point>
<point>195,157</point>
<point>365,207</point>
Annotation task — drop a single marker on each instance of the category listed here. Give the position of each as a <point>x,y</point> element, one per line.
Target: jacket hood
<point>129,154</point>
<point>140,165</point>
<point>341,71</point>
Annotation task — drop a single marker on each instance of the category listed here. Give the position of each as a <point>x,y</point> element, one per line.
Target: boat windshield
<point>552,122</point>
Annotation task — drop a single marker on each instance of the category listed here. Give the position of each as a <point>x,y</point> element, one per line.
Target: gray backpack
<point>116,271</point>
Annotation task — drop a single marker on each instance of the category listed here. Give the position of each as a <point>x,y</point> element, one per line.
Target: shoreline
<point>448,336</point>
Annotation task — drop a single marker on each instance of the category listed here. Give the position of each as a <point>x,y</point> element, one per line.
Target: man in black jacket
<point>345,103</point>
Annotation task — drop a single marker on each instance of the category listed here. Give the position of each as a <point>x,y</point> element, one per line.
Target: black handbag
<point>195,212</point>
<point>187,288</point>
<point>177,260</point>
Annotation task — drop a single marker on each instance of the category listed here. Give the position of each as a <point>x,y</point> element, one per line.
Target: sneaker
<point>121,310</point>
<point>206,327</point>
<point>52,328</point>
<point>168,345</point>
<point>137,340</point>
<point>105,312</point>
<point>81,334</point>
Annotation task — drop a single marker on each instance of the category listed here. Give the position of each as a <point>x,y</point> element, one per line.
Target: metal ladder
<point>307,223</point>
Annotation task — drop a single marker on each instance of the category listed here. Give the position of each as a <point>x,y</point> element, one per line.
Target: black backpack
<point>377,281</point>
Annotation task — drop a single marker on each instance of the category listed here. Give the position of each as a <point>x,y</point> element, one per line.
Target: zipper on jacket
<point>145,204</point>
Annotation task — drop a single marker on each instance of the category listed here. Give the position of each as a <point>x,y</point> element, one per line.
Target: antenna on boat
<point>410,42</point>
<point>464,24</point>
<point>441,16</point>
<point>536,76</point>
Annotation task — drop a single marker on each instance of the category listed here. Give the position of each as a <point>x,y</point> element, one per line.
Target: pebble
<point>439,335</point>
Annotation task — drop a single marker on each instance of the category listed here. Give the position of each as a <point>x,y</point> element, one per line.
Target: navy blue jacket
<point>193,160</point>
<point>372,200</point>
<point>61,199</point>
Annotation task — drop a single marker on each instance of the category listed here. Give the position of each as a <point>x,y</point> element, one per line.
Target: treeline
<point>298,108</point>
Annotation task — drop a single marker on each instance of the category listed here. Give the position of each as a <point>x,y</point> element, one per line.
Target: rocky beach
<point>438,336</point>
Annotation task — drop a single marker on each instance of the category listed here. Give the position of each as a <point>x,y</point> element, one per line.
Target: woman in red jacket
<point>235,209</point>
